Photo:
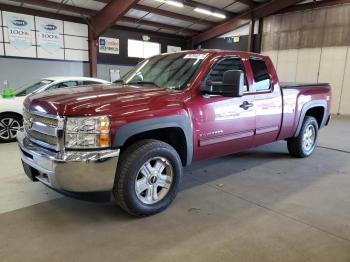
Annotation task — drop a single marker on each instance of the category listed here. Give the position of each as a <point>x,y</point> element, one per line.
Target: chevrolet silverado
<point>133,138</point>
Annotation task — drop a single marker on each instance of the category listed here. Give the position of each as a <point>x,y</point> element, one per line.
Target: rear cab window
<point>261,75</point>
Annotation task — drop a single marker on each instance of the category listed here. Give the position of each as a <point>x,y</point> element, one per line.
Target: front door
<point>225,125</point>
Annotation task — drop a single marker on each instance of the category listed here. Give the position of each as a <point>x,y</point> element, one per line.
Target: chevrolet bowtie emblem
<point>29,124</point>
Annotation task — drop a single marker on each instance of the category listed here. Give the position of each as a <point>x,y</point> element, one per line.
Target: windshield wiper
<point>141,82</point>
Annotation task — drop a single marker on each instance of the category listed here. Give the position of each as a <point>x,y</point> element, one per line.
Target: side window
<point>67,84</point>
<point>52,87</point>
<point>262,81</point>
<point>217,72</point>
<point>90,83</point>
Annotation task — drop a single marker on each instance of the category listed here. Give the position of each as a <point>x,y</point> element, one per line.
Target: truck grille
<point>51,140</point>
<point>43,129</point>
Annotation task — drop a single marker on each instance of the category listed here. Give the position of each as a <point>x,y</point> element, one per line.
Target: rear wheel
<point>305,143</point>
<point>9,125</point>
<point>148,177</point>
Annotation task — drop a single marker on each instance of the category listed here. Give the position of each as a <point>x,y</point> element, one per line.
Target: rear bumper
<point>72,171</point>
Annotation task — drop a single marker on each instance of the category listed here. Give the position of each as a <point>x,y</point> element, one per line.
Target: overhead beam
<point>260,11</point>
<point>110,14</point>
<point>158,25</point>
<point>173,15</point>
<point>57,6</point>
<point>318,4</point>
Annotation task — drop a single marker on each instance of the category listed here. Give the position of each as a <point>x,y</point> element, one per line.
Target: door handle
<point>246,105</point>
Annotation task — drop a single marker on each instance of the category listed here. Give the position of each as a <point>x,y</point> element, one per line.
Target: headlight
<point>87,132</point>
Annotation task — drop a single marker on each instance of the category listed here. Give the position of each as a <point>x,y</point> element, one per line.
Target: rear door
<point>268,101</point>
<point>225,124</point>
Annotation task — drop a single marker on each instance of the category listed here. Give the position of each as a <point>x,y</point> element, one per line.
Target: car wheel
<point>9,125</point>
<point>148,177</point>
<point>305,143</point>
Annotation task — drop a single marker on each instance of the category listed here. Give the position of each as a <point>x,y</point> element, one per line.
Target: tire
<point>297,146</point>
<point>9,125</point>
<point>137,171</point>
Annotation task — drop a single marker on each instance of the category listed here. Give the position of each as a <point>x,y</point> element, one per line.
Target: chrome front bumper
<point>72,171</point>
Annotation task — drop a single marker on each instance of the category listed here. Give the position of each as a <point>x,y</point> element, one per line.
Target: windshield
<point>28,89</point>
<point>172,71</point>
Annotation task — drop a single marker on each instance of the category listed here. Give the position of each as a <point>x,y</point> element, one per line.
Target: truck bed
<point>286,85</point>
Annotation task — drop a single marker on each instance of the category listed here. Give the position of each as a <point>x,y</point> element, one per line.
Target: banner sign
<point>19,31</point>
<point>49,37</point>
<point>109,45</point>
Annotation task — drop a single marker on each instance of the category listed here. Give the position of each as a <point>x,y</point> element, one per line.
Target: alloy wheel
<point>8,128</point>
<point>309,138</point>
<point>154,180</point>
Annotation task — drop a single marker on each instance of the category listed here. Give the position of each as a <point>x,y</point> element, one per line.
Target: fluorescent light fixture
<point>208,12</point>
<point>172,2</point>
<point>219,15</point>
<point>203,11</point>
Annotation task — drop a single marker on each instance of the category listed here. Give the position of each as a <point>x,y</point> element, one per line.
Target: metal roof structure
<point>198,20</point>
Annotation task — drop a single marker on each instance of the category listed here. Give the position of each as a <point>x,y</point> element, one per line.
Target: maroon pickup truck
<point>132,138</point>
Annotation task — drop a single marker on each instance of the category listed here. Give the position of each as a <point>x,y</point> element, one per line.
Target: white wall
<point>326,64</point>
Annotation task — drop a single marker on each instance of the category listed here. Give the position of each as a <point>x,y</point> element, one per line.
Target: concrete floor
<point>260,205</point>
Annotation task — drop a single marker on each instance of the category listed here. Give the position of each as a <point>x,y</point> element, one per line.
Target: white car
<point>11,108</point>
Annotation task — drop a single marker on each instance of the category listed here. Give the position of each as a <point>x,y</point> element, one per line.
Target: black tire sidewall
<point>132,202</point>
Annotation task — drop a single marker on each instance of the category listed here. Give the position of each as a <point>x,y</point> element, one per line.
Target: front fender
<point>180,121</point>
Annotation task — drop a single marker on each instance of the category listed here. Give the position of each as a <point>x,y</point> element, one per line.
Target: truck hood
<point>112,100</point>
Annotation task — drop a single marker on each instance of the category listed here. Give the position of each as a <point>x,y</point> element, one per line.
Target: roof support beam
<point>111,13</point>
<point>251,35</point>
<point>172,15</point>
<point>158,25</point>
<point>243,19</point>
<point>92,54</point>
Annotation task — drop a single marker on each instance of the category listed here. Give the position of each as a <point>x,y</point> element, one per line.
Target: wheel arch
<point>11,113</point>
<point>174,130</point>
<point>316,109</point>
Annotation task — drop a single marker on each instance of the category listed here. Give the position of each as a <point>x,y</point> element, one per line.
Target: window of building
<point>142,49</point>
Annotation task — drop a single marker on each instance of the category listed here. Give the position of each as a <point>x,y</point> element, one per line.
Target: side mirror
<point>231,86</point>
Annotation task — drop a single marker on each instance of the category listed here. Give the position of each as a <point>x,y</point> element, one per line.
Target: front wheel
<point>305,143</point>
<point>9,125</point>
<point>148,177</point>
